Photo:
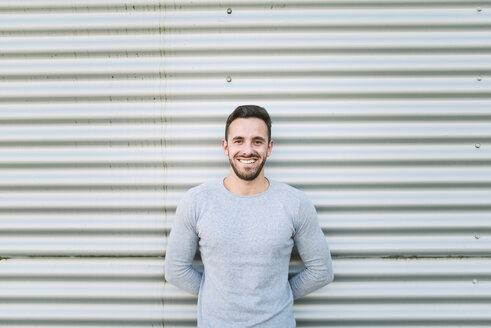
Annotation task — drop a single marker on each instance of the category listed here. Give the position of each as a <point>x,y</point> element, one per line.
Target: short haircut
<point>247,111</point>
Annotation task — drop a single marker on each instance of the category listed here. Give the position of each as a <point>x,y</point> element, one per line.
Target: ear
<point>225,146</point>
<point>270,148</point>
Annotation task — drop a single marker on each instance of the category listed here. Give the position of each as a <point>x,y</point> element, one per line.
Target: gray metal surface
<point>110,110</point>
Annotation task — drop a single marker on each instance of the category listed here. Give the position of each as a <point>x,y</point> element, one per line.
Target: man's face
<point>247,147</point>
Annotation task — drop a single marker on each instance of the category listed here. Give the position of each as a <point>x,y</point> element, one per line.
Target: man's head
<point>248,141</point>
<point>247,111</point>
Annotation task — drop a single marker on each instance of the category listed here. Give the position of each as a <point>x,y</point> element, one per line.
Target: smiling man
<point>245,227</point>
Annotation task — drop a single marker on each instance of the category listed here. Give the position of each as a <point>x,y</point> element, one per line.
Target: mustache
<point>248,156</point>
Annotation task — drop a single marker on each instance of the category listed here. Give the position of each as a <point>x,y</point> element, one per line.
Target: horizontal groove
<point>285,73</point>
<point>93,187</point>
<point>271,163</point>
<point>333,28</point>
<point>83,321</point>
<point>220,65</point>
<point>154,119</point>
<point>404,231</point>
<point>87,99</point>
<point>251,51</point>
<point>101,143</point>
<point>303,186</point>
<point>102,165</point>
<point>370,322</point>
<point>86,232</point>
<point>355,300</point>
<point>369,163</point>
<point>214,141</point>
<point>237,29</point>
<point>85,257</point>
<point>403,208</point>
<point>438,278</point>
<point>82,210</point>
<point>347,51</point>
<point>92,31</point>
<point>285,111</point>
<point>112,6</point>
<point>81,278</point>
<point>94,231</point>
<point>402,300</point>
<point>321,208</point>
<point>88,7</point>
<point>35,253</point>
<point>167,119</point>
<point>205,97</point>
<point>82,300</point>
<point>392,186</point>
<point>88,54</point>
<point>383,140</point>
<point>433,95</point>
<point>86,77</point>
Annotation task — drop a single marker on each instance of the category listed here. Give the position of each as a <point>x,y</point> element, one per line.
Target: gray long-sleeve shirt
<point>245,244</point>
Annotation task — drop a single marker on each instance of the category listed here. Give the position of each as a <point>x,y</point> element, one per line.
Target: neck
<point>246,188</point>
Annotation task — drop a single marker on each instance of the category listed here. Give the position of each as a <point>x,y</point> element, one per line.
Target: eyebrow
<point>255,138</point>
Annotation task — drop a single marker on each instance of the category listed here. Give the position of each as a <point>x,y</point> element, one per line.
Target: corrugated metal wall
<point>110,110</point>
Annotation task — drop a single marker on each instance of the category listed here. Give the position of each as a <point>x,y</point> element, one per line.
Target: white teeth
<point>247,162</point>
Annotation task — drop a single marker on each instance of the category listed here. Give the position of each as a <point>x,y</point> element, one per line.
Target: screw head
<point>479,10</point>
<point>474,281</point>
<point>478,145</point>
<point>477,236</point>
<point>229,79</point>
<point>479,78</point>
<point>229,11</point>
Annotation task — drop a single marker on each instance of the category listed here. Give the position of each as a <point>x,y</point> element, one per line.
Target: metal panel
<point>381,114</point>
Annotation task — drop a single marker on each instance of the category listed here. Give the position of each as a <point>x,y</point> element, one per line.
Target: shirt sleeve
<point>314,252</point>
<point>181,249</point>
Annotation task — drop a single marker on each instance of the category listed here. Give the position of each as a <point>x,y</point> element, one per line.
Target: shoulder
<point>201,191</point>
<point>193,200</point>
<point>297,201</point>
<point>289,193</point>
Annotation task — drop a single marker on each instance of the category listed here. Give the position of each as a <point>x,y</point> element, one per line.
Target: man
<point>245,227</point>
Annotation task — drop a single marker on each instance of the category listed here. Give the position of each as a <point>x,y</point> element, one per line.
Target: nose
<point>247,148</point>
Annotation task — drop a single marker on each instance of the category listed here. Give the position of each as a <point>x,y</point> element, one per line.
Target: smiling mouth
<point>247,161</point>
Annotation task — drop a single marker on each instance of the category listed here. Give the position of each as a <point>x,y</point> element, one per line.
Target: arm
<point>181,249</point>
<point>314,252</point>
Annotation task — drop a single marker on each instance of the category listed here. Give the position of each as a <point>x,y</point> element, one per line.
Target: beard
<point>247,175</point>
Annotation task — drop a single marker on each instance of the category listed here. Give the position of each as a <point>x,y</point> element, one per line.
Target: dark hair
<point>247,111</point>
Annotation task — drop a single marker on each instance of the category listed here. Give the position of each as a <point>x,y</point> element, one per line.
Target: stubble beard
<point>247,176</point>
